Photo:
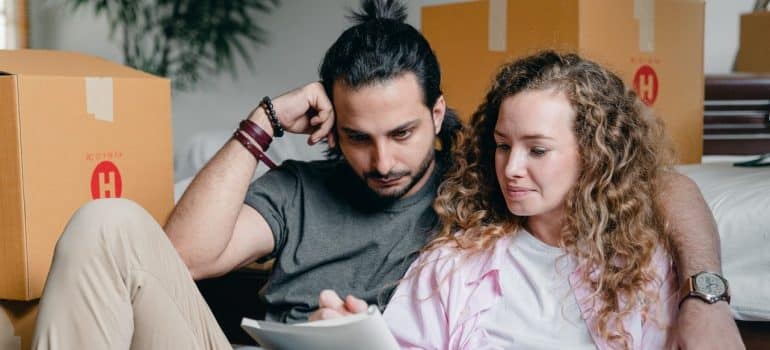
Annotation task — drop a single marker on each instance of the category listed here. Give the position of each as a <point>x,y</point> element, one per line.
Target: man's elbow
<point>189,260</point>
<point>187,254</point>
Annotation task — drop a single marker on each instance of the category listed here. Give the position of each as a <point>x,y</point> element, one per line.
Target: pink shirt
<point>441,307</point>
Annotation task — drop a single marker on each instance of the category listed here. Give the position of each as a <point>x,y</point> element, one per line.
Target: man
<point>353,223</point>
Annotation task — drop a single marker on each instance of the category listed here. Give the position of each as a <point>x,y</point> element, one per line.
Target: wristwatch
<point>708,286</point>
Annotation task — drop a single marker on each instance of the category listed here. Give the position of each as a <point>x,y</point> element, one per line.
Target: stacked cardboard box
<point>655,45</point>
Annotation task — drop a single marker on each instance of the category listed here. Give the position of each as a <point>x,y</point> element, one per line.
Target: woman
<point>551,233</point>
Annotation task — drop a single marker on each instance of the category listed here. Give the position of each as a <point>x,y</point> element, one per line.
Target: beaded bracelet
<point>267,104</point>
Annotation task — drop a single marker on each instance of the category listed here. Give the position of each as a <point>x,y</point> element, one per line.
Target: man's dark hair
<point>380,46</point>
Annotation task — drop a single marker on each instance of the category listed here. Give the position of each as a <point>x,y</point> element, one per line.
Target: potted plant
<point>184,40</point>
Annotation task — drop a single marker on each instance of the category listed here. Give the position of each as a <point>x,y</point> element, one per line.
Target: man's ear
<point>438,111</point>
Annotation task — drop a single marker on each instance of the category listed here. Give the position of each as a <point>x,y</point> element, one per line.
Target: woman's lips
<point>518,192</point>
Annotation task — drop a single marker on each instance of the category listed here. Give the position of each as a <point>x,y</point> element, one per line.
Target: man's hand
<point>305,110</point>
<point>707,326</point>
<point>330,305</point>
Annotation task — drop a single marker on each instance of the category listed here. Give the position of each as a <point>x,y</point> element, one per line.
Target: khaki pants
<point>117,283</point>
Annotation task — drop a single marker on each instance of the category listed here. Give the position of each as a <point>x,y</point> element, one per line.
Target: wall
<point>721,33</point>
<point>300,32</point>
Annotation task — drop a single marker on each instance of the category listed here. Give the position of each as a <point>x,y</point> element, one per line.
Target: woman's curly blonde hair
<point>613,221</point>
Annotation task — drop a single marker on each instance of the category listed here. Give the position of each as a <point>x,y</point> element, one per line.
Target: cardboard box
<point>73,128</point>
<point>654,45</point>
<point>17,324</point>
<point>754,49</point>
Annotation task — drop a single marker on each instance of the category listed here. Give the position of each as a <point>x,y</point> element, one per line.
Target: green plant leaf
<point>184,40</point>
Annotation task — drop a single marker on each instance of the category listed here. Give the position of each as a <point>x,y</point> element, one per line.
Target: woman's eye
<point>502,147</point>
<point>538,151</point>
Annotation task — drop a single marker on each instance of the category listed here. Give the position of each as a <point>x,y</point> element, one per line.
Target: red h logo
<point>106,181</point>
<point>646,84</point>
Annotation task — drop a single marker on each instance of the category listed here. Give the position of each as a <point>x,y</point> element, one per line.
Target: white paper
<point>361,331</point>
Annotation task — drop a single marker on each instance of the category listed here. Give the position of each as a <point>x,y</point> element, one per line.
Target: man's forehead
<point>379,127</point>
<point>380,108</point>
<point>343,84</point>
<point>404,88</point>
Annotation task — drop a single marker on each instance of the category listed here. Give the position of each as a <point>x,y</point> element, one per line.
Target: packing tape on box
<point>644,12</point>
<point>99,101</point>
<point>498,25</point>
<point>8,341</point>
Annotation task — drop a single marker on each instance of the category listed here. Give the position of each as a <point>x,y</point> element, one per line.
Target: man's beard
<point>418,175</point>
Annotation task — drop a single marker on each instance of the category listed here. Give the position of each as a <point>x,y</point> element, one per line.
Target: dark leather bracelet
<point>256,152</point>
<point>255,132</point>
<point>267,104</point>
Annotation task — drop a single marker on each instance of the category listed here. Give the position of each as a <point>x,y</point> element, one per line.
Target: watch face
<point>709,284</point>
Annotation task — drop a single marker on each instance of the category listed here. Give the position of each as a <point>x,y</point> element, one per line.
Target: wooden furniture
<point>736,119</point>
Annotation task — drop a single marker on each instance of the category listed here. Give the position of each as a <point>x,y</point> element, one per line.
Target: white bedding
<point>739,198</point>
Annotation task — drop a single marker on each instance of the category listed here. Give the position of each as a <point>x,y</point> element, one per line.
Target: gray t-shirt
<point>331,232</point>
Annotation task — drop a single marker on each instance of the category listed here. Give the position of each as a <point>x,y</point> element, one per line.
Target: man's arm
<point>696,241</point>
<point>211,228</point>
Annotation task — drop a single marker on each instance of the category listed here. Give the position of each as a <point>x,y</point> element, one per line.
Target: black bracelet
<point>267,104</point>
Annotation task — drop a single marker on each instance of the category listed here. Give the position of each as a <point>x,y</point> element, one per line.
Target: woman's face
<point>537,159</point>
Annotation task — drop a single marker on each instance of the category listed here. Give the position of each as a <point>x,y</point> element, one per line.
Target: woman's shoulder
<point>439,259</point>
<point>450,261</point>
